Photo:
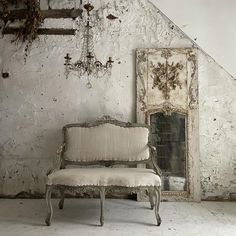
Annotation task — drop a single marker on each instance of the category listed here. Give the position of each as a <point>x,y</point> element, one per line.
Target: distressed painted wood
<point>158,91</point>
<point>102,190</point>
<point>49,206</point>
<point>150,194</point>
<point>102,198</point>
<point>60,13</point>
<point>61,202</point>
<point>51,31</point>
<point>56,14</point>
<point>157,204</point>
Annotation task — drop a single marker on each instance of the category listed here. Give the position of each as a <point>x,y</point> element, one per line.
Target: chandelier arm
<point>88,65</point>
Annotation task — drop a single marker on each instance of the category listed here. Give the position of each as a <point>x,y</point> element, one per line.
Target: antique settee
<point>105,143</point>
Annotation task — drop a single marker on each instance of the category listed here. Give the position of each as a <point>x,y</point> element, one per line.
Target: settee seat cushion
<point>124,177</point>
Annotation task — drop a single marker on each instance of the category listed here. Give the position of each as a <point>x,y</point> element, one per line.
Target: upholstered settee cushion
<point>125,177</point>
<point>106,142</point>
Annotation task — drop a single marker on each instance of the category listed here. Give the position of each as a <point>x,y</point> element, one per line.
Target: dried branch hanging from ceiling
<point>32,17</point>
<point>21,14</point>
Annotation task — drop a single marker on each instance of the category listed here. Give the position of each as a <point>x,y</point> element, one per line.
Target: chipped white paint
<point>217,130</point>
<point>37,100</point>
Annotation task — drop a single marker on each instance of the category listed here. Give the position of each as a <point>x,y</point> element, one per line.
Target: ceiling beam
<point>47,31</point>
<point>61,13</point>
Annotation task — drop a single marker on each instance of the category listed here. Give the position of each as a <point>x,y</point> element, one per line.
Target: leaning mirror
<point>167,100</point>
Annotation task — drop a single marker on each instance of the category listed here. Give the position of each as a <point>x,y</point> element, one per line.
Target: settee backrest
<point>106,141</point>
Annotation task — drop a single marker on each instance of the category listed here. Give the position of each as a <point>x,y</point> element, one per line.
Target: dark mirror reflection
<point>168,135</point>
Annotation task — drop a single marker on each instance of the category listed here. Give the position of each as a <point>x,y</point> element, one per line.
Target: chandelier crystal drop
<point>88,65</point>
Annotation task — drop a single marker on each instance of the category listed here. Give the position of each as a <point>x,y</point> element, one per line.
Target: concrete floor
<point>122,217</point>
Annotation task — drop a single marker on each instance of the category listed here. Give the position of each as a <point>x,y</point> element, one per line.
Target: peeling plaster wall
<point>36,100</point>
<point>217,116</point>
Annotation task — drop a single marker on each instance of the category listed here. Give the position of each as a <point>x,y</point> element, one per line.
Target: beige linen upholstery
<point>125,177</point>
<point>106,142</point>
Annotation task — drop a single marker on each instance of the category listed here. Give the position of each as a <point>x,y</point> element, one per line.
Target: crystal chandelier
<point>88,66</point>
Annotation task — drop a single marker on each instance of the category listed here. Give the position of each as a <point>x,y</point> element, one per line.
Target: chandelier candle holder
<point>88,66</point>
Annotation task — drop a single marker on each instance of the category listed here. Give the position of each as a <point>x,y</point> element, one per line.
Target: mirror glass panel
<point>168,135</point>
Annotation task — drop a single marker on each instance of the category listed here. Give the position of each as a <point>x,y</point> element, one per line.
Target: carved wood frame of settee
<point>154,192</point>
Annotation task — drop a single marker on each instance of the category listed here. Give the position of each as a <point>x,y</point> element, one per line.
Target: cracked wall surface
<point>36,100</point>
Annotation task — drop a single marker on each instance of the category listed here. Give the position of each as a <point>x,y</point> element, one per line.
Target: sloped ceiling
<point>210,23</point>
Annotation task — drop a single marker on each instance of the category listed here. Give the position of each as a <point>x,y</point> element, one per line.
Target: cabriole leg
<point>61,202</point>
<point>150,194</point>
<point>49,206</point>
<point>102,199</point>
<point>157,204</point>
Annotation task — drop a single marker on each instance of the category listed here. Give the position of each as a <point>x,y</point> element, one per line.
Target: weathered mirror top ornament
<point>88,65</point>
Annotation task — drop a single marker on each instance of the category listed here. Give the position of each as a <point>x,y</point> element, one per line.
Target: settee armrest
<point>58,159</point>
<point>153,153</point>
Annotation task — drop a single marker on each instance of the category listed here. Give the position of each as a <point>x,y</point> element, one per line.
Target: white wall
<point>210,22</point>
<point>36,100</point>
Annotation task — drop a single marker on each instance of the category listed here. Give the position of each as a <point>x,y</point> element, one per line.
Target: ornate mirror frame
<point>167,82</point>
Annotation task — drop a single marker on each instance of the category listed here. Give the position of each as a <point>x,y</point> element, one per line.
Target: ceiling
<point>210,23</point>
